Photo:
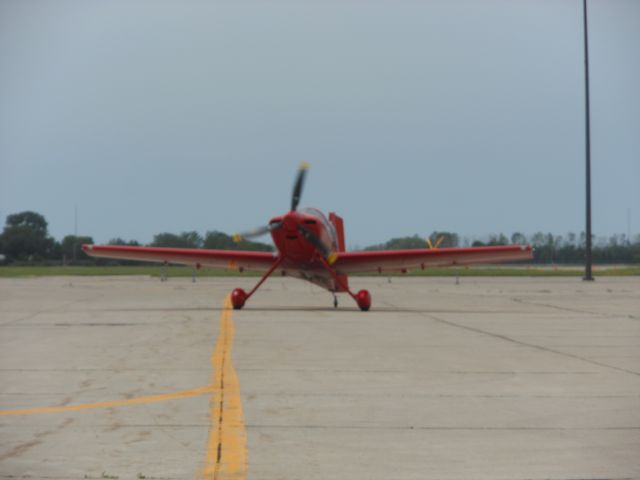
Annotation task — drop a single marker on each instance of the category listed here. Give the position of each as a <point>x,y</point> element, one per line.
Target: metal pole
<point>587,268</point>
<point>628,226</point>
<point>75,232</point>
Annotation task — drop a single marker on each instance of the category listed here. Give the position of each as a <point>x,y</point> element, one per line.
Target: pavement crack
<point>530,345</point>
<point>525,344</point>
<point>37,439</point>
<point>522,301</point>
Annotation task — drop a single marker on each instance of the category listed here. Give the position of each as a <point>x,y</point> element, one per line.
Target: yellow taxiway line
<point>226,452</point>
<point>194,392</point>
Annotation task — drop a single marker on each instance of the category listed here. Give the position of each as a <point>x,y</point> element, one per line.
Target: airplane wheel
<point>238,297</point>
<point>363,298</point>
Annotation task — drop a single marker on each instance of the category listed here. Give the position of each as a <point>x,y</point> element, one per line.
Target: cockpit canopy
<point>314,212</point>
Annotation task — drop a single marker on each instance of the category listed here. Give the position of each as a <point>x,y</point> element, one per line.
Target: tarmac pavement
<point>494,378</point>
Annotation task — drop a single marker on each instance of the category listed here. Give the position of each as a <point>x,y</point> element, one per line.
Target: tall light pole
<point>587,267</point>
<point>75,232</point>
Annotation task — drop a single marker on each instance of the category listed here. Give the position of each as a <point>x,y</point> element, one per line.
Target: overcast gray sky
<point>467,116</point>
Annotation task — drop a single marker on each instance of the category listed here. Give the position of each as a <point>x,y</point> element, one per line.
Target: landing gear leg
<point>362,298</point>
<point>335,301</point>
<point>239,296</point>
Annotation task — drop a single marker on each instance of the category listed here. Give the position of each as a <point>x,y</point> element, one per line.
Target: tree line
<point>548,248</point>
<point>25,239</point>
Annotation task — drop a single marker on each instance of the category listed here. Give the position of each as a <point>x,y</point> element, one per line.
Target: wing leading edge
<point>399,260</point>
<point>347,262</point>
<point>229,259</point>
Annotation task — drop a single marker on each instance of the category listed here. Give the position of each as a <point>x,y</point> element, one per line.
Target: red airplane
<point>311,247</point>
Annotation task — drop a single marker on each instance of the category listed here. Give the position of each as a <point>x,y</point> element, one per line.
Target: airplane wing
<point>229,259</point>
<point>402,260</point>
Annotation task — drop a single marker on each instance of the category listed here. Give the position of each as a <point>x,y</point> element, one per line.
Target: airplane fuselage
<point>290,238</point>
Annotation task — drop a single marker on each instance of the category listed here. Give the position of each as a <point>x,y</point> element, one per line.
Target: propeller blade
<point>257,232</point>
<point>437,244</point>
<point>297,187</point>
<point>313,239</point>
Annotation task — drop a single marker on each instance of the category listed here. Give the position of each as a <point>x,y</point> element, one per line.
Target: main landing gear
<point>363,298</point>
<point>239,296</point>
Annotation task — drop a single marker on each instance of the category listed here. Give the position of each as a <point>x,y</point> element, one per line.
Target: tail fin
<point>339,224</point>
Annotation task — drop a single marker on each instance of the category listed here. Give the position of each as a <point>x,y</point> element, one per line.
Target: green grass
<point>177,271</point>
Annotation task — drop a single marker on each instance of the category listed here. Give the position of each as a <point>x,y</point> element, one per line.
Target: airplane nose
<point>290,222</point>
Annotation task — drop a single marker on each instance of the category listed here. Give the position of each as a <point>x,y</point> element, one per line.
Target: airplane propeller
<point>257,232</point>
<point>295,200</point>
<point>329,255</point>
<point>297,187</point>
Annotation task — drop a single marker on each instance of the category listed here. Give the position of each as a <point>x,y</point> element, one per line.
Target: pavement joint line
<point>47,310</point>
<point>226,451</point>
<point>437,427</point>
<point>441,395</point>
<point>356,427</point>
<point>40,477</point>
<point>312,370</point>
